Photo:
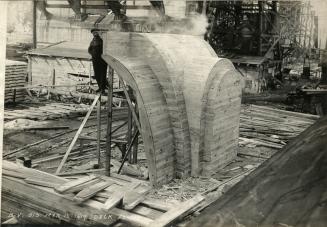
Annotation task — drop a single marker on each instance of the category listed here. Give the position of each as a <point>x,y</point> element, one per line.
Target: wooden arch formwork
<point>188,99</point>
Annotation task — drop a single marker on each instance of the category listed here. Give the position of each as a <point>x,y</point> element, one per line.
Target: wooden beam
<point>135,147</point>
<point>117,196</point>
<point>55,203</point>
<point>91,191</point>
<point>83,95</point>
<point>132,199</point>
<point>80,172</point>
<point>135,219</point>
<point>177,212</point>
<point>99,131</point>
<point>77,134</point>
<point>41,182</point>
<point>109,120</point>
<point>156,204</point>
<point>45,86</point>
<point>53,77</point>
<point>64,6</point>
<point>128,150</point>
<point>64,187</point>
<point>34,24</point>
<point>129,133</point>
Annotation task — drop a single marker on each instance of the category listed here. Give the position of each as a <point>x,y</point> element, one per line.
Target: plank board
<point>167,218</point>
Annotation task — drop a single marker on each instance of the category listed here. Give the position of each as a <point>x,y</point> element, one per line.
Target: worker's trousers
<point>100,72</point>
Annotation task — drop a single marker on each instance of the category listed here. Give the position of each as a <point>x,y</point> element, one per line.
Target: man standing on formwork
<point>99,65</point>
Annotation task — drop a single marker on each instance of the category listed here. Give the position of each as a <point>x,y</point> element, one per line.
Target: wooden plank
<point>28,172</point>
<point>76,135</point>
<point>70,184</point>
<point>147,212</point>
<point>91,191</point>
<point>132,218</point>
<point>121,178</point>
<point>114,200</point>
<point>157,204</point>
<point>118,182</point>
<point>80,187</point>
<point>176,212</point>
<point>10,221</point>
<point>118,196</point>
<point>45,128</point>
<point>109,122</point>
<point>55,203</point>
<point>11,173</point>
<point>80,172</point>
<point>132,199</point>
<point>41,182</point>
<point>83,95</point>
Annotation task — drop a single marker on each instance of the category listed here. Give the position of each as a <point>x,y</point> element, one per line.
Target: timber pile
<point>271,127</point>
<point>44,112</point>
<point>289,189</point>
<point>15,76</point>
<point>54,144</point>
<point>87,200</point>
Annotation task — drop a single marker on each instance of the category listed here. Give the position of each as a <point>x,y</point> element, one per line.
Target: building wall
<point>176,9</point>
<point>42,68</point>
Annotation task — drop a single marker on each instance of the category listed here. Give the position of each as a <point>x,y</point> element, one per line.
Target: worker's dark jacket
<point>96,48</point>
<point>99,65</point>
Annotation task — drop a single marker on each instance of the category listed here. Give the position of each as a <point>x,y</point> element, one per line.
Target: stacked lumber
<point>15,77</point>
<point>84,200</point>
<point>44,112</point>
<point>50,111</point>
<point>271,127</point>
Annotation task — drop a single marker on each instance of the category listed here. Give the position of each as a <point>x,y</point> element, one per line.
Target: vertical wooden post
<point>90,76</point>
<point>53,77</point>
<point>260,4</point>
<point>135,146</point>
<point>34,24</point>
<point>323,80</point>
<point>29,70</point>
<point>99,131</point>
<point>136,134</point>
<point>129,132</point>
<point>109,120</point>
<point>300,25</point>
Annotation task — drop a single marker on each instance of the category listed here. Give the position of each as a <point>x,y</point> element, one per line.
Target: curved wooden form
<point>189,101</point>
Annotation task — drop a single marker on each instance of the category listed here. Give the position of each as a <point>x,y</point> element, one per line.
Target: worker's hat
<point>95,30</point>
